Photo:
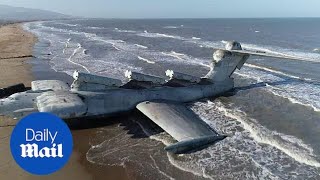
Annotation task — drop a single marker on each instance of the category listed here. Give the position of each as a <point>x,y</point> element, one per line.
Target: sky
<point>175,8</point>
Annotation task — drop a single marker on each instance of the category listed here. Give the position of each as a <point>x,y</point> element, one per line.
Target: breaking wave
<point>146,60</point>
<point>158,35</point>
<point>124,31</point>
<point>251,151</point>
<point>195,38</point>
<point>290,145</point>
<point>316,50</point>
<point>75,52</point>
<point>176,55</point>
<point>170,27</point>
<point>69,25</point>
<point>303,91</point>
<point>141,46</point>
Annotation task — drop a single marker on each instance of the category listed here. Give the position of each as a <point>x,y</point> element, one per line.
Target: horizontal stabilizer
<point>181,123</point>
<point>265,54</point>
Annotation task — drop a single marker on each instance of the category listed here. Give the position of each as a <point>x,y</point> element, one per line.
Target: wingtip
<point>183,147</point>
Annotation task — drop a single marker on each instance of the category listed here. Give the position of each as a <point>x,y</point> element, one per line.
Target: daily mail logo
<point>32,150</point>
<point>41,143</point>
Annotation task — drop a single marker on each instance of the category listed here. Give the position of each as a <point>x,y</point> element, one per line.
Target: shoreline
<point>15,70</point>
<point>23,70</point>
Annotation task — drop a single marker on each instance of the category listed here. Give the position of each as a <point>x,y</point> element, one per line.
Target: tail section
<point>226,61</point>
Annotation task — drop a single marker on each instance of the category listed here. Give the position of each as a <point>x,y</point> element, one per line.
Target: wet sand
<point>15,43</point>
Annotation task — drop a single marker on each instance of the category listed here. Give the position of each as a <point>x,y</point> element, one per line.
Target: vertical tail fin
<point>225,62</point>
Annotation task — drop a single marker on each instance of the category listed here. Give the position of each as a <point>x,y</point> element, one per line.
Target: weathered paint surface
<point>92,95</point>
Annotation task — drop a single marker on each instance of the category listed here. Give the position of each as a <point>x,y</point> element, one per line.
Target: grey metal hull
<point>122,100</point>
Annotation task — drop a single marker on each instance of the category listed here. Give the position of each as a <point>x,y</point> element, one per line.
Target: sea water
<point>272,120</point>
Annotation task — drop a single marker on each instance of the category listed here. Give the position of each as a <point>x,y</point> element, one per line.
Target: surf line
<point>146,60</point>
<point>73,54</point>
<point>264,138</point>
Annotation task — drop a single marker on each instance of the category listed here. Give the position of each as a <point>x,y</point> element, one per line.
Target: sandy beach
<point>15,43</point>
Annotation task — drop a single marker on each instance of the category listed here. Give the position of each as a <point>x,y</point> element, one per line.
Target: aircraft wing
<point>181,123</point>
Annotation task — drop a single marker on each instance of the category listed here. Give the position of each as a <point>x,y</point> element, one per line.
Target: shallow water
<point>273,118</point>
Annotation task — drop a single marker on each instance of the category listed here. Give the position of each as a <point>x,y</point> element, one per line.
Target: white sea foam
<point>141,46</point>
<point>196,38</point>
<point>158,35</point>
<point>70,25</point>
<point>176,55</point>
<point>113,45</point>
<point>207,44</point>
<point>94,27</point>
<point>77,50</point>
<point>303,153</point>
<point>271,70</point>
<point>146,60</point>
<point>170,27</point>
<point>124,30</point>
<point>66,45</point>
<point>187,59</point>
<point>164,35</point>
<point>250,152</point>
<point>300,92</point>
<point>316,50</point>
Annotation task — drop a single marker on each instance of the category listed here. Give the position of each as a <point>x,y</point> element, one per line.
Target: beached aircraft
<point>161,100</point>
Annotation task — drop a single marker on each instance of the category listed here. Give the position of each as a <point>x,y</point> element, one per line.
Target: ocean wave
<point>303,92</point>
<point>207,44</point>
<point>66,45</point>
<point>41,28</point>
<point>295,148</point>
<point>250,152</point>
<point>124,31</point>
<point>316,50</point>
<point>116,44</point>
<point>195,38</point>
<point>262,68</point>
<point>272,50</point>
<point>176,55</point>
<point>141,46</point>
<point>159,35</point>
<point>170,27</point>
<point>75,51</point>
<point>146,60</point>
<point>272,71</point>
<point>69,25</point>
<point>95,27</point>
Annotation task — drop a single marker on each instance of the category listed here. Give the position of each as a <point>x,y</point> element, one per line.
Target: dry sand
<point>15,42</point>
